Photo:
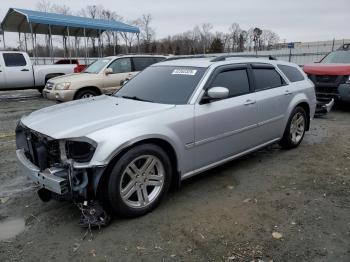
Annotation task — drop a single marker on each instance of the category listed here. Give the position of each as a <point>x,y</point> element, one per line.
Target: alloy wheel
<point>142,181</point>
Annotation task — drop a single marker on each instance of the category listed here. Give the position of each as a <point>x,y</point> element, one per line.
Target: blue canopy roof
<point>19,20</point>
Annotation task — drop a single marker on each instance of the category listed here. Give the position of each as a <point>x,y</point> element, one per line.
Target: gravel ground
<point>230,213</point>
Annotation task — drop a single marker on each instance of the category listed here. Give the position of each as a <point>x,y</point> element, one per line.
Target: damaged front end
<point>60,167</point>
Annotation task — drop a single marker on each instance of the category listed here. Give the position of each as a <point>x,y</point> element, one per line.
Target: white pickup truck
<point>17,72</point>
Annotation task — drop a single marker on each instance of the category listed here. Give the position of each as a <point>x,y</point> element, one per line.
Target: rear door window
<point>236,81</point>
<point>141,63</point>
<point>121,65</point>
<point>14,59</point>
<point>266,78</point>
<point>292,73</point>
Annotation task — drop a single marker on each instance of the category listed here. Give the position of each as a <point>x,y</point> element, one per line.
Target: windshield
<point>338,57</point>
<point>163,84</point>
<point>97,66</point>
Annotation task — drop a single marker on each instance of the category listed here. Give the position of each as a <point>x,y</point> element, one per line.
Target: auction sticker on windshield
<point>182,71</point>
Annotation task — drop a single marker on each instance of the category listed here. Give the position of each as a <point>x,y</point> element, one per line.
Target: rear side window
<point>158,59</point>
<point>121,65</point>
<point>236,81</point>
<point>267,78</point>
<point>14,59</point>
<point>141,63</point>
<point>292,73</point>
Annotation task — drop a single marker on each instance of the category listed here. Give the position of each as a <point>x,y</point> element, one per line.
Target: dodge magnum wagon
<point>172,121</point>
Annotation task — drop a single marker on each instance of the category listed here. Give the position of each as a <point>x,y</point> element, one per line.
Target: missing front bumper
<point>323,107</point>
<point>52,179</point>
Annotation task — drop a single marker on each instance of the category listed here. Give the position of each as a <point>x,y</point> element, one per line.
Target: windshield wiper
<point>136,98</point>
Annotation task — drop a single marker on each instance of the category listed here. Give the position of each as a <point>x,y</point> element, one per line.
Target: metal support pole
<point>69,47</point>
<point>99,44</point>
<point>3,38</point>
<point>138,42</point>
<point>31,32</point>
<point>290,55</point>
<point>25,42</point>
<point>85,40</point>
<point>115,43</point>
<point>51,45</point>
<point>76,47</point>
<point>36,50</point>
<point>102,46</point>
<point>19,40</point>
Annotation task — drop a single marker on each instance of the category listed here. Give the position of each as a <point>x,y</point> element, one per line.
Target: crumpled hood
<point>82,117</point>
<point>73,77</point>
<point>327,69</point>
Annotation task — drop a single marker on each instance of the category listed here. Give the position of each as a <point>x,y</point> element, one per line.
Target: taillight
<point>76,69</point>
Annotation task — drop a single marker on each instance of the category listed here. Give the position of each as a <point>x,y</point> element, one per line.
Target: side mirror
<point>123,82</point>
<point>218,92</point>
<point>108,71</point>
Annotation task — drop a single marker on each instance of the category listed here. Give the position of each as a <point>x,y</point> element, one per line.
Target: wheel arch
<point>162,143</point>
<point>306,107</point>
<point>94,88</point>
<point>52,75</point>
<point>302,101</point>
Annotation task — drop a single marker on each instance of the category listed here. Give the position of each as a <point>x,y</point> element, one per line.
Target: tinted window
<point>163,84</point>
<point>158,59</point>
<point>337,57</point>
<point>235,80</point>
<point>267,78</point>
<point>292,73</point>
<point>141,63</point>
<point>121,65</point>
<point>14,59</point>
<point>97,66</point>
<point>66,62</point>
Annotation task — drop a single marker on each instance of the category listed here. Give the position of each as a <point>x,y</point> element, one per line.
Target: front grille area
<point>41,150</point>
<point>326,79</point>
<point>326,85</point>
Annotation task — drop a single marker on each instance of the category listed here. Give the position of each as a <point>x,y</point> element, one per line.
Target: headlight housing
<point>348,80</point>
<point>80,151</point>
<point>62,86</point>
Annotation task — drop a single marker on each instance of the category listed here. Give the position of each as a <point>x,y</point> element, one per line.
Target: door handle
<point>249,102</point>
<point>25,70</point>
<point>287,93</point>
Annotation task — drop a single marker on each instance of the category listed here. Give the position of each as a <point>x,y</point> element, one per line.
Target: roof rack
<point>189,57</point>
<point>223,57</point>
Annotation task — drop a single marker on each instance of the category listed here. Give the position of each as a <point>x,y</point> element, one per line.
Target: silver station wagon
<point>174,120</point>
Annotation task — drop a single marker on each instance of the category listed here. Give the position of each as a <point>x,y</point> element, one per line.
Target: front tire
<point>295,130</point>
<point>86,93</point>
<point>138,181</point>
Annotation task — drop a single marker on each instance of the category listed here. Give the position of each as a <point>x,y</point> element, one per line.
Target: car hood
<point>82,117</point>
<point>73,77</point>
<point>327,69</point>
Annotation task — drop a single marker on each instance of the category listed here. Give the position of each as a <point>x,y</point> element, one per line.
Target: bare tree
<point>147,32</point>
<point>94,12</point>
<point>257,33</point>
<point>234,31</point>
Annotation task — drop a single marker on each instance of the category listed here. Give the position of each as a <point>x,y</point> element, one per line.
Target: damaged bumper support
<point>52,179</point>
<point>81,182</point>
<point>58,166</point>
<point>323,107</point>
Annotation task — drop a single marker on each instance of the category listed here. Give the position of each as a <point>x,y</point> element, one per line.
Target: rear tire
<point>85,93</point>
<point>139,181</point>
<point>295,129</point>
<point>40,89</point>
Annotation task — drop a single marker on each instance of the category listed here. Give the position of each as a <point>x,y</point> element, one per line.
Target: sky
<point>293,20</point>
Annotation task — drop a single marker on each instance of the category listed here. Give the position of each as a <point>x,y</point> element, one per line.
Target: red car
<point>331,75</point>
<point>79,68</point>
